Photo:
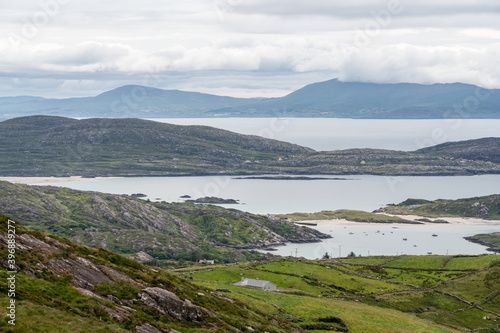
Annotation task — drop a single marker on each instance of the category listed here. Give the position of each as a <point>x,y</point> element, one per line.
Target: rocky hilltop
<point>130,225</point>
<point>487,207</point>
<point>94,290</point>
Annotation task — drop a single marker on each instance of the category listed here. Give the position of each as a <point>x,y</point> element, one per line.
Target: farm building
<point>257,284</point>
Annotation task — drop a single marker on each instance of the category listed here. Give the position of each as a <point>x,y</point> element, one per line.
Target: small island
<point>214,200</point>
<point>138,195</point>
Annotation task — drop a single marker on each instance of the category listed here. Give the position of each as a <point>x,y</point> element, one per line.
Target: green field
<point>372,294</point>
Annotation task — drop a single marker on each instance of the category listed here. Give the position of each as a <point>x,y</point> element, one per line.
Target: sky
<point>243,48</point>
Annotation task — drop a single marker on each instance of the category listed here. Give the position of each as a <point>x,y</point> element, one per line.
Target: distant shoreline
<point>451,221</point>
<point>47,180</point>
<point>290,178</point>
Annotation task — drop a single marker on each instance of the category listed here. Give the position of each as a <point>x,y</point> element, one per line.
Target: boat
<point>405,239</point>
<point>414,245</point>
<point>429,252</point>
<point>351,233</point>
<point>434,235</point>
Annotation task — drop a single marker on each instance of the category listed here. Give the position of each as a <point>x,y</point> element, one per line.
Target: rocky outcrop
<point>147,328</point>
<point>214,200</point>
<point>128,225</point>
<point>142,256</point>
<point>478,239</point>
<point>169,303</point>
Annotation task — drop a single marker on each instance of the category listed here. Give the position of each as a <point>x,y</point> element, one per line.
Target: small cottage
<point>257,284</point>
<point>205,261</point>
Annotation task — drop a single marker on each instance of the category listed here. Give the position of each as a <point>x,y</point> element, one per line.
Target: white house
<point>205,261</point>
<point>257,284</point>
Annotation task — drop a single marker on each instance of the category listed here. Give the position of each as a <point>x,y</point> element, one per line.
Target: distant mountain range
<point>57,146</point>
<point>331,98</point>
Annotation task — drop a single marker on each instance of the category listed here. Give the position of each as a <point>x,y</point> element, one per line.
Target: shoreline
<point>451,221</point>
<point>47,180</point>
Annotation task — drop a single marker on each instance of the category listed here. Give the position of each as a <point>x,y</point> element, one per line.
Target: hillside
<point>129,225</point>
<point>56,146</point>
<point>41,145</point>
<point>486,149</point>
<point>332,98</point>
<point>487,207</point>
<point>61,287</point>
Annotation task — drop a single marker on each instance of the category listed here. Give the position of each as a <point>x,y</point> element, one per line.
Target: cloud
<point>237,46</point>
<point>426,65</point>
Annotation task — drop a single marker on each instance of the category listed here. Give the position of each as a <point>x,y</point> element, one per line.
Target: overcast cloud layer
<point>247,48</point>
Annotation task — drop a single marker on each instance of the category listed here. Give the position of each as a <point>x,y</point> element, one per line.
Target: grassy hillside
<point>65,287</point>
<point>373,294</point>
<point>128,225</point>
<point>487,207</point>
<point>56,146</point>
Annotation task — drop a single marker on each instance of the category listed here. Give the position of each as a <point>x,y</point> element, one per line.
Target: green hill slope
<point>129,225</point>
<point>487,207</point>
<point>61,286</point>
<point>373,294</point>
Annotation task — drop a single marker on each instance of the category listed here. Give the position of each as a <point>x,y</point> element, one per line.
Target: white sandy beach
<point>451,220</point>
<point>47,180</point>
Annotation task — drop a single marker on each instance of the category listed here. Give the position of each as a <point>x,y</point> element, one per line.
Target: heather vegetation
<point>56,146</point>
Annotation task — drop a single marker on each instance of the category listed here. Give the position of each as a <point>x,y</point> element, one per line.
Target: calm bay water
<point>359,192</point>
<point>387,239</point>
<point>356,192</point>
<point>286,196</point>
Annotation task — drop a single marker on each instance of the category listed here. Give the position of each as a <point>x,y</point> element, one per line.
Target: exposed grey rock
<point>84,276</point>
<point>113,315</point>
<point>147,328</point>
<point>129,302</point>
<point>222,297</point>
<point>142,256</point>
<point>114,299</point>
<point>169,303</point>
<point>34,243</point>
<point>88,293</point>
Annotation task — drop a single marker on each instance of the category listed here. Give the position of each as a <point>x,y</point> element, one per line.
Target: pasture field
<point>379,294</point>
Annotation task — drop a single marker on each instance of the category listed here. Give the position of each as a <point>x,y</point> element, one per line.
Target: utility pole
<point>296,252</point>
